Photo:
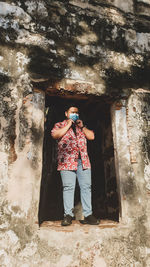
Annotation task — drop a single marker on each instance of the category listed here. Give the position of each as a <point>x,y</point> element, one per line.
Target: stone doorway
<point>95,112</point>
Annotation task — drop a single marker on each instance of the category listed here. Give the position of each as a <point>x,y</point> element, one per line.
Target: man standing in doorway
<point>73,161</point>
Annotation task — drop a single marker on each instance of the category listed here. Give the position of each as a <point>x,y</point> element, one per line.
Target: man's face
<point>71,110</point>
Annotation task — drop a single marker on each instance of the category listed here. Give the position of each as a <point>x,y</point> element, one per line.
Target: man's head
<point>71,109</point>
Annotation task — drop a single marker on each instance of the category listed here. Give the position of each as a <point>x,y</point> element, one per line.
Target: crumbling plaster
<point>96,48</point>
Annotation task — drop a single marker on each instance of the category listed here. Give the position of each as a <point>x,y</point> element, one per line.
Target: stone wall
<point>93,48</point>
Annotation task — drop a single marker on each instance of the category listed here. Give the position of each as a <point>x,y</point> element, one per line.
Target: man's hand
<point>79,123</point>
<point>70,122</point>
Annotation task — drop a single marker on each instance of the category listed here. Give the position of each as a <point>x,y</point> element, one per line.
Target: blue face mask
<point>74,116</point>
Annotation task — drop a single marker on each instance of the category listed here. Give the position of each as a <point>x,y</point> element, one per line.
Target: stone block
<point>143,8</point>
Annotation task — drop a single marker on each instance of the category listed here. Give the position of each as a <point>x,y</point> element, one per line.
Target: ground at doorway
<point>76,225</point>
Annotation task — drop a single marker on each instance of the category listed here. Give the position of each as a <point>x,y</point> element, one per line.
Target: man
<point>73,161</point>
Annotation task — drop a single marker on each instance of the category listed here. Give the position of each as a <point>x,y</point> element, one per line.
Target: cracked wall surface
<point>82,48</point>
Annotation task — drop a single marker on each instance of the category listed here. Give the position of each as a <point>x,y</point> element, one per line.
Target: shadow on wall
<point>84,40</point>
<point>70,37</point>
<point>4,79</point>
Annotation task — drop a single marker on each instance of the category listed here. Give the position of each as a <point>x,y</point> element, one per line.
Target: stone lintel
<point>73,87</point>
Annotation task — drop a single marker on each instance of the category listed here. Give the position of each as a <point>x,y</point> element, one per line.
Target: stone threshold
<point>76,225</point>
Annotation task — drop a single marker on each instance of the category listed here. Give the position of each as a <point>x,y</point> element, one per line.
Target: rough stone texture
<point>97,48</point>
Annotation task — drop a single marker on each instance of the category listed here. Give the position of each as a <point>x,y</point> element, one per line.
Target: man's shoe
<point>90,220</point>
<point>67,220</point>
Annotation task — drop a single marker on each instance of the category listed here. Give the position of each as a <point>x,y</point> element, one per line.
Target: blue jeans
<point>69,181</point>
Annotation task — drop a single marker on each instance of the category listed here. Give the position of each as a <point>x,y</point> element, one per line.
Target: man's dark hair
<point>70,105</point>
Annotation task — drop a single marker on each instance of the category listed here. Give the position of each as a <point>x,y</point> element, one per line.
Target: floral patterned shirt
<point>70,146</point>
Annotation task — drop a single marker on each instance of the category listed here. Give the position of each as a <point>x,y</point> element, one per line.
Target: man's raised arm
<point>88,133</point>
<point>58,133</point>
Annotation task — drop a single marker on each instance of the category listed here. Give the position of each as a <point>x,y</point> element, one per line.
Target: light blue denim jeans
<point>69,181</point>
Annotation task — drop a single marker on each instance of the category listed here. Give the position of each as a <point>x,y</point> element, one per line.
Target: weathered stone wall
<point>81,47</point>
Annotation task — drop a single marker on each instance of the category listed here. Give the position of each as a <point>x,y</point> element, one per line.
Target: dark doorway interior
<point>96,115</point>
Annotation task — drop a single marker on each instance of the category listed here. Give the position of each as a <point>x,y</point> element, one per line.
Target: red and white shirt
<point>69,147</point>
